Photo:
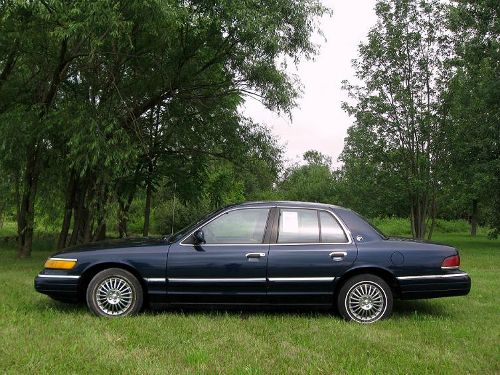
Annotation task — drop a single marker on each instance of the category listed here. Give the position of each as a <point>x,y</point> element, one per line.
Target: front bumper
<point>61,287</point>
<point>434,286</point>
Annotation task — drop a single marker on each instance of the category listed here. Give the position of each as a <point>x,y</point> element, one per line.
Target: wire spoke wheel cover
<point>365,298</point>
<point>366,302</point>
<point>114,292</point>
<point>114,296</point>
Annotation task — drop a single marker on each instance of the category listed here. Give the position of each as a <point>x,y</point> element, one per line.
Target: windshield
<point>185,231</point>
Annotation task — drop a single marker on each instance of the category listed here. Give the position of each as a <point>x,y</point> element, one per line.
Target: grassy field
<point>454,335</point>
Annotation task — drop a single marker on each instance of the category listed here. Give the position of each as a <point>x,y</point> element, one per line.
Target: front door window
<point>246,226</point>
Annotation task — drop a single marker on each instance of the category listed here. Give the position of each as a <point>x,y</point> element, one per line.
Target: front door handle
<point>338,255</point>
<point>255,255</point>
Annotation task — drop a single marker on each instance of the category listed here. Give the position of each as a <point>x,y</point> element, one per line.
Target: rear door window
<point>298,226</point>
<point>331,230</point>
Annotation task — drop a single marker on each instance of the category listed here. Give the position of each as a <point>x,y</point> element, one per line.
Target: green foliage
<point>169,219</point>
<point>393,226</point>
<point>399,110</point>
<point>313,181</point>
<point>100,100</point>
<point>474,97</point>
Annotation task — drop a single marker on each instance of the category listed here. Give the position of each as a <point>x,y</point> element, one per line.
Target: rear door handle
<point>255,255</point>
<point>338,255</point>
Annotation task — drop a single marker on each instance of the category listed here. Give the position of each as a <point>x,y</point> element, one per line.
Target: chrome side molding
<point>424,277</point>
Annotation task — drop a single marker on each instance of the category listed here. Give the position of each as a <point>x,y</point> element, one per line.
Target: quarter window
<point>246,226</point>
<point>298,226</point>
<point>331,231</point>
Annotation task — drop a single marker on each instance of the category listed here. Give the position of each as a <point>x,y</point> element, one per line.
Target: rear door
<point>309,249</point>
<point>229,268</point>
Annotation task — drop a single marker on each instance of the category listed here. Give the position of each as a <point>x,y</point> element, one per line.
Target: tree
<point>400,103</point>
<point>95,84</point>
<point>314,181</point>
<point>474,98</point>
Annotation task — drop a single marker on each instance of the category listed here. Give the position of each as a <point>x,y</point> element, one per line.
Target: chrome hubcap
<point>114,296</point>
<point>366,302</point>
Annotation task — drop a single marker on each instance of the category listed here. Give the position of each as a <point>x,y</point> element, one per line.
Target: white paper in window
<point>290,222</point>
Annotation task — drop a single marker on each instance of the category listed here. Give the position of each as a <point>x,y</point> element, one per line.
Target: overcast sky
<point>319,122</point>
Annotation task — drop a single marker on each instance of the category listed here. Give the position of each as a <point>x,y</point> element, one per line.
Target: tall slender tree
<point>400,102</point>
<point>475,97</point>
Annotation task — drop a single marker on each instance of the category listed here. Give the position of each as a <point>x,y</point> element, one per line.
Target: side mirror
<point>199,237</point>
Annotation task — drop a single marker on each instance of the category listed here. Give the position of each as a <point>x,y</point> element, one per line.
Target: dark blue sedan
<point>259,253</point>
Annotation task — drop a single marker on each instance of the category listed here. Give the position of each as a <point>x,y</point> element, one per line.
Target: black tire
<point>114,292</point>
<point>365,299</point>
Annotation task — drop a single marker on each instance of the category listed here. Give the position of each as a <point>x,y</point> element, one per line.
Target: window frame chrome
<point>346,230</point>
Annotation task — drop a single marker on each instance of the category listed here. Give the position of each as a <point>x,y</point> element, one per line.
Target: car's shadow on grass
<point>402,309</point>
<point>419,308</point>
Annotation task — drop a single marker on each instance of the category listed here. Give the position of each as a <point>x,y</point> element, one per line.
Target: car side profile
<point>259,253</point>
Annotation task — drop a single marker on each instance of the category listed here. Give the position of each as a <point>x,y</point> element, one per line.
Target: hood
<point>115,244</point>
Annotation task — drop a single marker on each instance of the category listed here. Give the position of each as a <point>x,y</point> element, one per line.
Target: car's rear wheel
<point>114,292</point>
<point>365,298</point>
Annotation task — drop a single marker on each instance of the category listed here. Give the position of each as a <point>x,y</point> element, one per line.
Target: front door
<point>230,267</point>
<point>309,250</point>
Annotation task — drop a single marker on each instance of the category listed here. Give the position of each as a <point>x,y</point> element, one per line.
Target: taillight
<point>451,263</point>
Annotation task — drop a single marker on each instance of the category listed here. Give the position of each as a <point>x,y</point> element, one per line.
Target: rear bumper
<point>434,286</point>
<point>59,287</point>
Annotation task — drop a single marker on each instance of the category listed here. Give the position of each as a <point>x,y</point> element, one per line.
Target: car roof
<point>297,204</point>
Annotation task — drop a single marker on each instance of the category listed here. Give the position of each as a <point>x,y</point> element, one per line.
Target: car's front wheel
<point>114,292</point>
<point>365,299</point>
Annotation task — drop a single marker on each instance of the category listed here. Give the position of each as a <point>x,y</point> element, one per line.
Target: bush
<point>393,226</point>
<point>452,226</point>
<point>397,226</point>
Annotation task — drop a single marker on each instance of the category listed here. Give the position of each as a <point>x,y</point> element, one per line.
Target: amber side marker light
<point>60,264</point>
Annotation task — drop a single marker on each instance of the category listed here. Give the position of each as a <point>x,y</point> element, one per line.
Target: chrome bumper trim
<point>58,276</point>
<point>424,277</point>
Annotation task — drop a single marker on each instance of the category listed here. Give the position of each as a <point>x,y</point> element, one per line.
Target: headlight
<point>60,264</point>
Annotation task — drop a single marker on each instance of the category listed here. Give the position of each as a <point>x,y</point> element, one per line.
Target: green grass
<point>449,335</point>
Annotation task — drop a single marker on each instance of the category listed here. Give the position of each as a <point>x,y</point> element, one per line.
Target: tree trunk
<point>123,210</point>
<point>474,218</point>
<point>100,230</point>
<point>79,209</point>
<point>418,216</point>
<point>122,219</point>
<point>100,233</point>
<point>433,218</point>
<point>26,218</point>
<point>68,211</point>
<point>147,208</point>
<point>2,206</point>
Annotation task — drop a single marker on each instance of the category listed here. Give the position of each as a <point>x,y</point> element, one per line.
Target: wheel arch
<point>94,269</point>
<point>383,273</point>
